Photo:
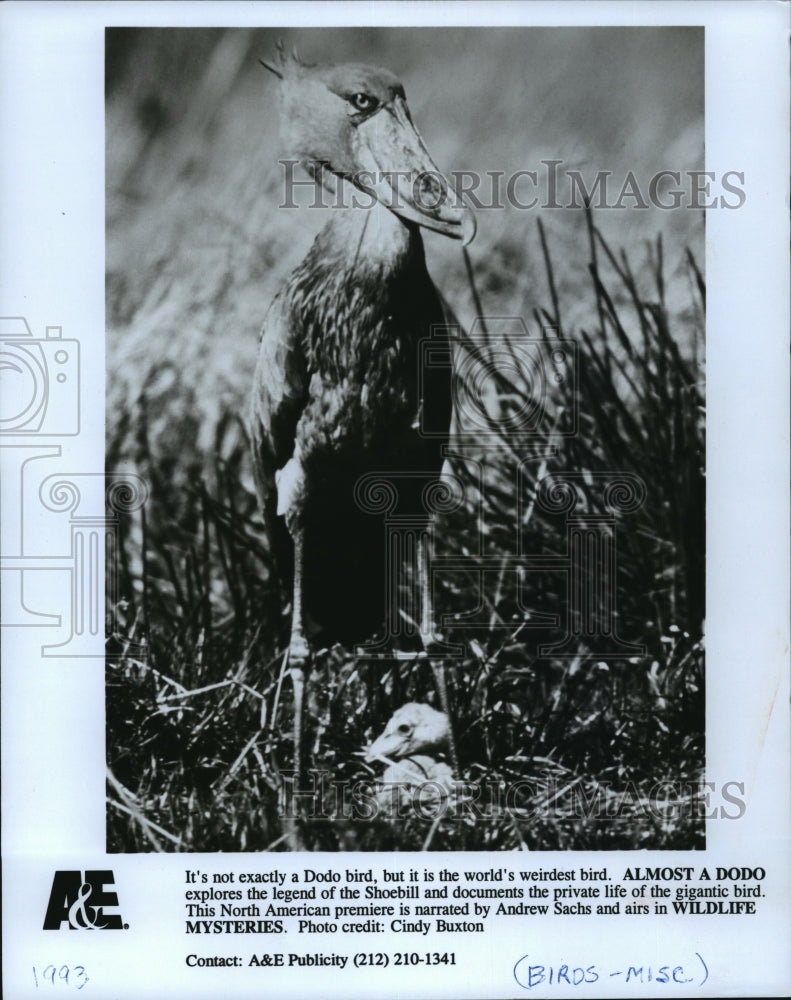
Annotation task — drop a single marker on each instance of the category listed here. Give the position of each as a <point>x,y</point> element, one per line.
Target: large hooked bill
<point>397,170</point>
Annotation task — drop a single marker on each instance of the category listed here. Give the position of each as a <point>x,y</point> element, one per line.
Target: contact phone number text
<point>364,959</point>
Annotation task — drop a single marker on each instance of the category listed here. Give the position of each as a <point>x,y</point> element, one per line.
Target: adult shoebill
<point>336,383</point>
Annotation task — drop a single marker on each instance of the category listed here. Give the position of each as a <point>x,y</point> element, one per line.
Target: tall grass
<point>199,713</point>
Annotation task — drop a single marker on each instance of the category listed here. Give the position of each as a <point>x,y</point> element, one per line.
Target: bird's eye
<point>362,102</point>
<point>403,728</point>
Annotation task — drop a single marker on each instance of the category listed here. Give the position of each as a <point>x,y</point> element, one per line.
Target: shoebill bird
<point>413,729</point>
<point>408,745</point>
<point>336,382</point>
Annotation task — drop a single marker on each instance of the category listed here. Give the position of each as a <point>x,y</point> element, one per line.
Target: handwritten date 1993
<point>74,976</point>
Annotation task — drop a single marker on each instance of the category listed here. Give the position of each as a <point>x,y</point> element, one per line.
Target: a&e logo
<point>82,900</point>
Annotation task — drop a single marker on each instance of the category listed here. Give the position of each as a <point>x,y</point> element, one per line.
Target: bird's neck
<point>372,239</point>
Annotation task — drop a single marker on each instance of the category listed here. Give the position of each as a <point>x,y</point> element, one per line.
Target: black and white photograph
<point>394,464</point>
<point>405,335</point>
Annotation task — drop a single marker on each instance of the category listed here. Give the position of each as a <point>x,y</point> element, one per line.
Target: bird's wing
<point>280,392</point>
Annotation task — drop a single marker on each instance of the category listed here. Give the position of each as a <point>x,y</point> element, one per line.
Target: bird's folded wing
<point>280,392</point>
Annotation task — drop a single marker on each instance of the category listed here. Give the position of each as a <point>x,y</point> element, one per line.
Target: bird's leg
<point>298,649</point>
<point>427,634</point>
<point>298,662</point>
<point>438,669</point>
<point>290,503</point>
<point>424,585</point>
<point>298,646</point>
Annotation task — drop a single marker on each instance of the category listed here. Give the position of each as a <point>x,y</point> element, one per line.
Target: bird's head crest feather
<point>283,62</point>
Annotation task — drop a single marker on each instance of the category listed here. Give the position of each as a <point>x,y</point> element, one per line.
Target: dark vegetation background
<point>198,709</point>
